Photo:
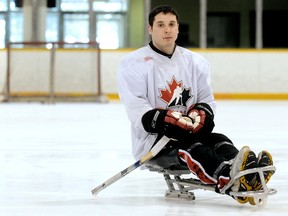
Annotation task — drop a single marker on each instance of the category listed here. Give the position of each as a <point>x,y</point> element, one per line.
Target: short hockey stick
<point>152,153</point>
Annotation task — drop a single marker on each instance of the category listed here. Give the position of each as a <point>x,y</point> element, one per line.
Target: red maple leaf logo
<point>167,93</point>
<point>175,94</point>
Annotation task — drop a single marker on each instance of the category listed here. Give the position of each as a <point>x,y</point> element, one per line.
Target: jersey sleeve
<point>201,69</point>
<point>205,93</point>
<point>132,88</point>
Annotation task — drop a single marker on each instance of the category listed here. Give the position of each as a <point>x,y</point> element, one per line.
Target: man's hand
<point>202,117</point>
<point>176,118</point>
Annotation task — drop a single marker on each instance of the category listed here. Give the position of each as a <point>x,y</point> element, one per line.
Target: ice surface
<point>51,156</point>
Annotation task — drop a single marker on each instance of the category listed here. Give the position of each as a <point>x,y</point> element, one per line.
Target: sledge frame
<point>181,187</point>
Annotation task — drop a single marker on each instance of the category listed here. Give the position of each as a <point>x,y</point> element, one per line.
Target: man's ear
<point>150,29</point>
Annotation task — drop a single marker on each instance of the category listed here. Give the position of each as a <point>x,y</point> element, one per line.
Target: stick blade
<point>96,190</point>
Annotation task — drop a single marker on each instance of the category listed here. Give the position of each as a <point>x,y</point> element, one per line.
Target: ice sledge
<point>182,184</point>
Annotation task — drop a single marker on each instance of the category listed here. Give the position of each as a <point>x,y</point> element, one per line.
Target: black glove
<point>202,117</point>
<point>167,122</point>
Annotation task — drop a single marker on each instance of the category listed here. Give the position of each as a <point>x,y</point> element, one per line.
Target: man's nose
<point>167,29</point>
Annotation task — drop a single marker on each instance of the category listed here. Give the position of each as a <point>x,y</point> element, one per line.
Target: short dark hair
<point>161,9</point>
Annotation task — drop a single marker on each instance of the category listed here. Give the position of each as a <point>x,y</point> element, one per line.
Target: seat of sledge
<point>182,183</point>
<point>177,176</point>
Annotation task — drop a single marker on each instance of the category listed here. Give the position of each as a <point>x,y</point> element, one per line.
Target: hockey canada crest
<point>175,94</point>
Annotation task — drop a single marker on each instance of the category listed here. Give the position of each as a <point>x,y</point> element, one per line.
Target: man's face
<point>164,32</point>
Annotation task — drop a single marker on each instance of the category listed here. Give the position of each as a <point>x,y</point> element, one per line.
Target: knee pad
<point>223,146</point>
<point>218,138</point>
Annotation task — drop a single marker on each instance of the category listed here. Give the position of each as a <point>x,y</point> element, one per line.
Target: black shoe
<point>245,159</point>
<point>264,159</point>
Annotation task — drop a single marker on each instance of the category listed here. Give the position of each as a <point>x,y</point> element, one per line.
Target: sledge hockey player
<point>166,90</point>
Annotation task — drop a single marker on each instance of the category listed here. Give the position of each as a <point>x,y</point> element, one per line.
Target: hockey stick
<point>152,153</point>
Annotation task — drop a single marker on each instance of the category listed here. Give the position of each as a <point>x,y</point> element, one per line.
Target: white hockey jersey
<point>148,80</point>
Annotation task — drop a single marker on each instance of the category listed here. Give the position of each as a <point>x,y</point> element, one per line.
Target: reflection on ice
<point>51,156</point>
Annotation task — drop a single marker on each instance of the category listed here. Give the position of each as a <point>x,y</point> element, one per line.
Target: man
<point>166,91</point>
